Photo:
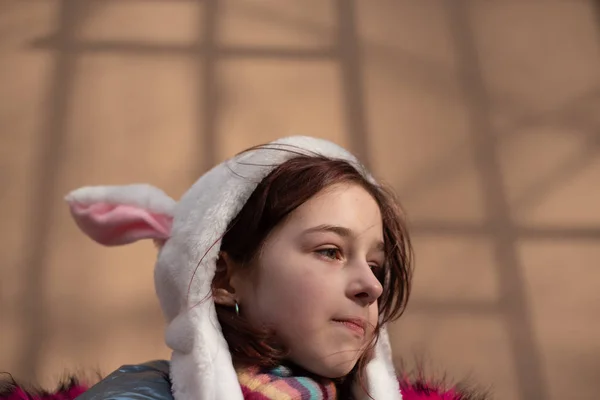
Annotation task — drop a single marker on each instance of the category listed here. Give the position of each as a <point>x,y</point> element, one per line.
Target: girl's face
<point>314,282</point>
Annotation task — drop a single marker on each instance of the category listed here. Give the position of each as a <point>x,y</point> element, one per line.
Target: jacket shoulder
<point>145,381</point>
<point>130,382</point>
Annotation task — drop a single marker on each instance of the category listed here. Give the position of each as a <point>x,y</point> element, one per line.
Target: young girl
<point>277,273</point>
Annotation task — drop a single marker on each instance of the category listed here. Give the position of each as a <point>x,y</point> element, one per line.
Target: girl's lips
<point>356,326</point>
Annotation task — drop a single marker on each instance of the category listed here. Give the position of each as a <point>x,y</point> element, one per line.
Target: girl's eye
<point>331,253</point>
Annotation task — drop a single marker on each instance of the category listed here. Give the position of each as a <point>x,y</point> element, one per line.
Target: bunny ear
<point>118,215</point>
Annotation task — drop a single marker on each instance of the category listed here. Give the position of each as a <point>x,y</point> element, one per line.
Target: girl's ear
<point>223,290</point>
<point>223,297</point>
<point>223,272</point>
<point>118,215</point>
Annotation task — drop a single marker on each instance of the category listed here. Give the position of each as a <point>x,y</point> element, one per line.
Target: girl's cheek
<point>305,297</point>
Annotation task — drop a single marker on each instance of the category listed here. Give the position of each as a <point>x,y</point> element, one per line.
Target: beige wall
<point>484,116</point>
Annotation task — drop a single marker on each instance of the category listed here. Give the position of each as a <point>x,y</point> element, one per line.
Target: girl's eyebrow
<point>341,231</point>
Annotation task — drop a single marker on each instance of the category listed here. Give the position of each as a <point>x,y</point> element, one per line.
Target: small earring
<point>237,309</point>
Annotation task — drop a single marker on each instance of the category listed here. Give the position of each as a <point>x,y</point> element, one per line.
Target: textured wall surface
<point>484,116</point>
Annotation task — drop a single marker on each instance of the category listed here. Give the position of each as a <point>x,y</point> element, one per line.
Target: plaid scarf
<point>281,384</point>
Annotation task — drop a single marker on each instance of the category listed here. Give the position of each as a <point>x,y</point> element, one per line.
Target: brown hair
<point>287,187</point>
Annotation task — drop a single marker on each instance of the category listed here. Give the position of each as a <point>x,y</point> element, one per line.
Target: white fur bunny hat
<point>189,231</point>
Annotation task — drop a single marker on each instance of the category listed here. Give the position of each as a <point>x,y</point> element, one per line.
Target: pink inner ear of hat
<point>118,224</point>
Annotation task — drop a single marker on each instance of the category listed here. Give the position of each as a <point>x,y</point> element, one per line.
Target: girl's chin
<point>335,366</point>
